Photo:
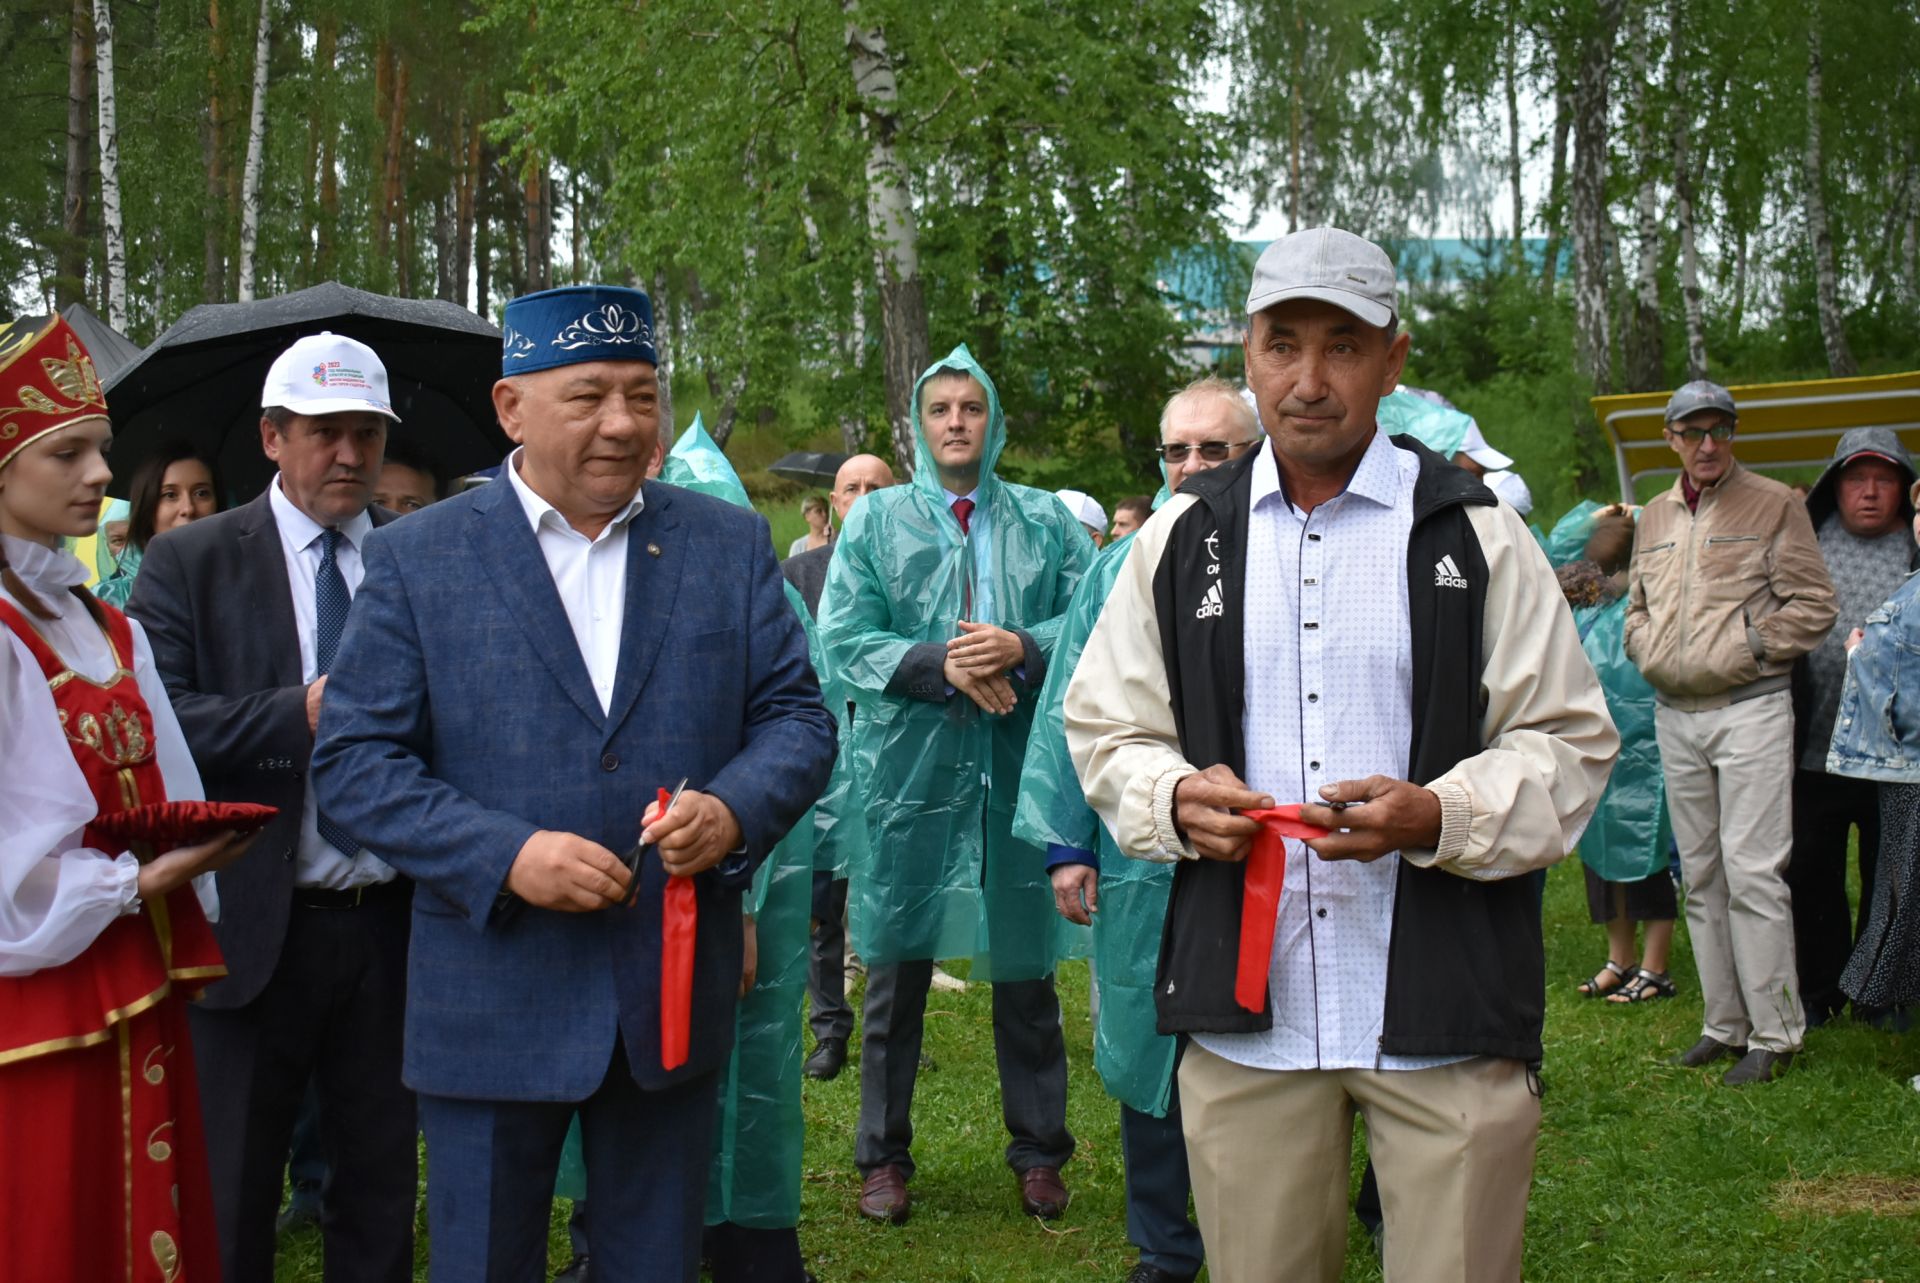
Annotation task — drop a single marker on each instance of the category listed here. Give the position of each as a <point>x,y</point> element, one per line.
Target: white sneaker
<point>952,984</point>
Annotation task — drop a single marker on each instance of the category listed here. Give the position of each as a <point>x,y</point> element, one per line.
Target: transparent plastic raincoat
<point>1627,838</point>
<point>942,875</point>
<point>1134,1060</point>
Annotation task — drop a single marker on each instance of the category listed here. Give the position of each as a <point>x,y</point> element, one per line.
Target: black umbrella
<point>202,380</point>
<point>809,467</point>
<point>111,350</point>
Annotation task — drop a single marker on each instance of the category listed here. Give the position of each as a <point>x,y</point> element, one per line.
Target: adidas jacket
<point>1510,731</point>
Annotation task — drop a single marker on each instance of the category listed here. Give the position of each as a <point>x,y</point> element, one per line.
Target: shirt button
<point>1314,538</point>
<point>1313,699</point>
<point>1313,766</point>
<point>1320,913</point>
<point>610,762</point>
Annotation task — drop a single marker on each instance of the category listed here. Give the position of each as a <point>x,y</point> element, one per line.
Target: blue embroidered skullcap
<point>576,323</point>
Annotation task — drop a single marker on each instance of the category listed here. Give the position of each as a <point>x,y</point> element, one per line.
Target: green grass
<point>1646,1171</point>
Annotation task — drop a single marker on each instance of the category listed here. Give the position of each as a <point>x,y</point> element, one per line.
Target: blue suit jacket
<point>459,718</point>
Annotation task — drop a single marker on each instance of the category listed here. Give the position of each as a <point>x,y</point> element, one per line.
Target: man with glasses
<point>1726,590</point>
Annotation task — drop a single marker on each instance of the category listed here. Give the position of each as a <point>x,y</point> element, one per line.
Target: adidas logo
<point>1212,605</point>
<point>1446,574</point>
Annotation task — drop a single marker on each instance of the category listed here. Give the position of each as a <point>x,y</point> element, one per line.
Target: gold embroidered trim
<point>126,1134</point>
<point>165,1255</point>
<point>115,1019</point>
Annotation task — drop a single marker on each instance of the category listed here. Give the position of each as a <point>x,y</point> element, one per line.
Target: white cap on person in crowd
<point>1325,263</point>
<point>1085,509</point>
<point>1475,447</point>
<point>1510,487</point>
<point>328,373</point>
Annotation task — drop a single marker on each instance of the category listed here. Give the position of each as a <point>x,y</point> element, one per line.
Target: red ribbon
<point>679,916</point>
<point>1260,907</point>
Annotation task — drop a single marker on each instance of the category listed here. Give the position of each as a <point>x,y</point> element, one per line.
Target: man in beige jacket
<point>1726,590</point>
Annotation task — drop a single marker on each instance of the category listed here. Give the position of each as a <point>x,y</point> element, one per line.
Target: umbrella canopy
<point>1782,425</point>
<point>202,380</point>
<point>111,350</point>
<point>809,467</point>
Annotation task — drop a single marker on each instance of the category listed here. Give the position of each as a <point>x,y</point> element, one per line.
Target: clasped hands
<point>978,661</point>
<point>569,873</point>
<point>1382,815</point>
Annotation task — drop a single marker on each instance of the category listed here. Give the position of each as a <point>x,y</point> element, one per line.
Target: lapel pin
<point>653,549</point>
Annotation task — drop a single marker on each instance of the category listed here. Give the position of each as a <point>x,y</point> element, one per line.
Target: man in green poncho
<point>1205,424</point>
<point>941,608</point>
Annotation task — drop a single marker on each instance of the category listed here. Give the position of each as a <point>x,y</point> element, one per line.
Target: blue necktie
<point>330,602</point>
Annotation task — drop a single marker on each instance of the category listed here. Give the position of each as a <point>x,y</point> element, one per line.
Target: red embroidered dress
<point>105,1174</point>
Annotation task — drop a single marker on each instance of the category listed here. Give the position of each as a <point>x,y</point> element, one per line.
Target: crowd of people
<point>522,817</point>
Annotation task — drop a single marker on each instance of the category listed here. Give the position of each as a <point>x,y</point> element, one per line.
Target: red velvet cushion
<point>166,825</point>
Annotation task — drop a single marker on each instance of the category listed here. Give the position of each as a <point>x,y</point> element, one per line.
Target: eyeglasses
<point>1211,451</point>
<point>1694,436</point>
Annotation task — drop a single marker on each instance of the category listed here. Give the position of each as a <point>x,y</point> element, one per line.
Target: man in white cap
<point>1727,588</point>
<point>1255,650</point>
<point>1087,511</point>
<point>1479,458</point>
<point>245,611</point>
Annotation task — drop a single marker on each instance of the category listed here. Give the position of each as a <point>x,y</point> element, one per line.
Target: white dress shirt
<point>57,895</point>
<point>589,574</point>
<point>1329,697</point>
<point>317,862</point>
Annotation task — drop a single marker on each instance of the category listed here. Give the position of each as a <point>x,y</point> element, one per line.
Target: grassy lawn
<point>1646,1171</point>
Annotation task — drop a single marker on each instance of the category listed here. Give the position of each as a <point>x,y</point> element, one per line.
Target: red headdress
<point>46,382</point>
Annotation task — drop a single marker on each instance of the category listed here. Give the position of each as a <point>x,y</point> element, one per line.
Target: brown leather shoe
<point>1043,1193</point>
<point>883,1197</point>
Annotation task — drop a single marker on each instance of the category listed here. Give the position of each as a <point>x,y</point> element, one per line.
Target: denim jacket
<point>1876,735</point>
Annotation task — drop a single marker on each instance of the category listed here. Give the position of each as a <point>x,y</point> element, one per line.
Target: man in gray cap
<point>1860,511</point>
<point>1246,656</point>
<point>1726,590</point>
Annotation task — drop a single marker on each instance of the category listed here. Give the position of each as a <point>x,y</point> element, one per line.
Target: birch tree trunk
<point>1691,298</point>
<point>1646,355</point>
<point>110,166</point>
<point>1592,341</point>
<point>663,345</point>
<point>213,142</point>
<point>903,305</point>
<point>468,137</point>
<point>327,215</point>
<point>1557,190</point>
<point>1826,281</point>
<point>256,153</point>
<point>1512,78</point>
<point>1910,237</point>
<point>70,279</point>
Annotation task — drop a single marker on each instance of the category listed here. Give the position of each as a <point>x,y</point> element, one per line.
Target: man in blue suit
<point>525,666</point>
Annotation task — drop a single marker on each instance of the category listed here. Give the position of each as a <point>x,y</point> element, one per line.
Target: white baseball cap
<point>1510,486</point>
<point>1085,509</point>
<point>1325,263</point>
<point>1475,447</point>
<point>328,373</point>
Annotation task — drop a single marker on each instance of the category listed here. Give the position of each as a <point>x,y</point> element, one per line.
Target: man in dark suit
<point>831,1018</point>
<point>528,663</point>
<point>245,611</point>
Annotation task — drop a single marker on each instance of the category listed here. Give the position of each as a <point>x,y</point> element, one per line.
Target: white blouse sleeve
<point>56,896</point>
<point>170,749</point>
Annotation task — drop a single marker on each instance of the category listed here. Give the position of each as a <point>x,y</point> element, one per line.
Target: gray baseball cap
<point>1328,264</point>
<point>1701,394</point>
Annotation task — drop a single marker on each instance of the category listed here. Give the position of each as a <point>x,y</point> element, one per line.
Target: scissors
<point>633,858</point>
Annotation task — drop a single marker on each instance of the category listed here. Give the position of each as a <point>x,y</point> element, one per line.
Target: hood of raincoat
<point>926,474</point>
<point>696,463</point>
<point>1440,428</point>
<point>1823,500</point>
<point>104,562</point>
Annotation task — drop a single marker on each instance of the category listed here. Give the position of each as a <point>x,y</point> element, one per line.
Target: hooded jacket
<point>1510,732</point>
<point>942,875</point>
<point>1823,500</point>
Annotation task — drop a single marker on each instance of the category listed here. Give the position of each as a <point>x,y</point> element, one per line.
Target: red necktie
<point>1260,904</point>
<point>963,513</point>
<point>679,918</point>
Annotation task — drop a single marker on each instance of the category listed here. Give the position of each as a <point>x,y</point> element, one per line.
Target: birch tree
<point>1646,349</point>
<point>116,235</point>
<point>1833,331</point>
<point>1592,337</point>
<point>70,279</point>
<point>256,152</point>
<point>1691,300</point>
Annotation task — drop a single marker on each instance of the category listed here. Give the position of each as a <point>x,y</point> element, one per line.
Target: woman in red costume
<point>102,1166</point>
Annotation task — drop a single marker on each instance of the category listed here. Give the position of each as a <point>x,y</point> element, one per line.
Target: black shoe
<point>1706,1051</point>
<point>1144,1273</point>
<point>1758,1066</point>
<point>576,1271</point>
<point>828,1059</point>
<point>302,1210</point>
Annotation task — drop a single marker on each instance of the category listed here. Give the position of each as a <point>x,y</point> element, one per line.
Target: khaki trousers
<point>1270,1154</point>
<point>1729,778</point>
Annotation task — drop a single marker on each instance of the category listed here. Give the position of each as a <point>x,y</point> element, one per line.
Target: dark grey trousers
<point>827,962</point>
<point>1028,1045</point>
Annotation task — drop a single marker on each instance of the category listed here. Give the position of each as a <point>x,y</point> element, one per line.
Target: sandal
<point>1644,987</point>
<point>1594,989</point>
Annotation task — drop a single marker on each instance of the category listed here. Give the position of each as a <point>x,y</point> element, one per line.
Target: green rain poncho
<point>756,1172</point>
<point>942,875</point>
<point>115,583</point>
<point>1134,1060</point>
<point>1627,838</point>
